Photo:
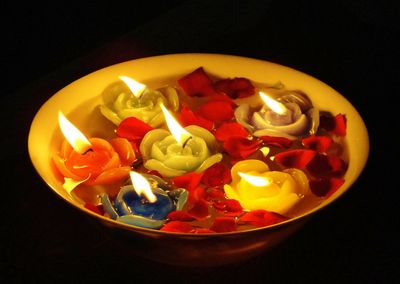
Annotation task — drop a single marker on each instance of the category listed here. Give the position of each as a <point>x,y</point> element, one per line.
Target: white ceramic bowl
<point>81,98</point>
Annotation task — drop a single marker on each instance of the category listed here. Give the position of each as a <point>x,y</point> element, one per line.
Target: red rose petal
<point>188,181</point>
<point>177,227</point>
<point>317,143</point>
<point>133,129</point>
<point>241,147</point>
<point>235,88</point>
<point>326,166</point>
<point>335,125</point>
<point>200,210</point>
<point>280,142</point>
<point>340,125</point>
<point>96,209</point>
<point>298,158</point>
<point>227,130</point>
<point>197,83</point>
<point>216,111</point>
<point>223,225</point>
<point>187,117</point>
<point>215,193</point>
<point>221,97</point>
<point>180,216</point>
<point>325,187</point>
<point>261,218</point>
<point>217,174</point>
<point>230,207</point>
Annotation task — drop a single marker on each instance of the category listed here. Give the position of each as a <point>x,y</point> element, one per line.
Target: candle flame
<point>75,138</point>
<point>255,180</point>
<point>179,133</point>
<point>135,87</point>
<point>274,105</point>
<point>142,186</point>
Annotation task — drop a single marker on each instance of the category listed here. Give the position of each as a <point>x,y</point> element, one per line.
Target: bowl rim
<point>200,56</point>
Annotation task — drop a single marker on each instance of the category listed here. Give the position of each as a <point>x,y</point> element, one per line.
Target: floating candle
<point>291,116</point>
<point>91,161</point>
<point>189,150</point>
<point>139,102</point>
<point>256,187</point>
<point>150,210</point>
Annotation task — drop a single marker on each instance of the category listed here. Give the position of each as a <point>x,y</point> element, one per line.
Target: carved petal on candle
<point>242,115</point>
<point>285,190</point>
<point>145,108</point>
<point>209,162</point>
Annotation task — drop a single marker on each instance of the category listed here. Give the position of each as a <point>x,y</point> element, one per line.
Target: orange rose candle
<point>93,161</point>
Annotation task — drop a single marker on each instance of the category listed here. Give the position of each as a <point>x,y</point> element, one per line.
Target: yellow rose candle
<point>256,187</point>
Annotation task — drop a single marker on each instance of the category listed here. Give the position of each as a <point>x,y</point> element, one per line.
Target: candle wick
<point>87,151</point>
<point>186,141</point>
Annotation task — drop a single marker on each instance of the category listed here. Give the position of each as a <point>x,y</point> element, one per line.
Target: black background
<point>350,45</point>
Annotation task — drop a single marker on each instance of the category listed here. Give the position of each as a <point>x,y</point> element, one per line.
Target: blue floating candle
<point>148,208</point>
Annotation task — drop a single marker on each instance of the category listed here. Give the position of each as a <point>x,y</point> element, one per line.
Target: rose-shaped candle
<point>145,203</point>
<point>256,187</point>
<point>290,116</point>
<point>140,102</point>
<point>91,161</point>
<point>180,150</point>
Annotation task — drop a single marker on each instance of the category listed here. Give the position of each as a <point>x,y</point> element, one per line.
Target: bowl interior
<point>80,100</point>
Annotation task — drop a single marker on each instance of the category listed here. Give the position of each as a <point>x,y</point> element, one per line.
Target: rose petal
<point>227,130</point>
<point>197,83</point>
<point>223,225</point>
<point>179,215</point>
<point>326,166</point>
<point>335,125</point>
<point>241,147</point>
<point>188,181</point>
<point>235,88</point>
<point>133,129</point>
<point>280,142</point>
<point>217,174</point>
<point>298,158</point>
<point>187,117</point>
<point>340,125</point>
<point>221,97</point>
<point>215,193</point>
<point>229,207</point>
<point>200,210</point>
<point>261,218</point>
<point>324,187</point>
<point>96,209</point>
<point>317,143</point>
<point>177,226</point>
<point>216,111</point>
